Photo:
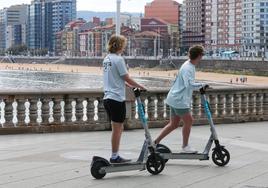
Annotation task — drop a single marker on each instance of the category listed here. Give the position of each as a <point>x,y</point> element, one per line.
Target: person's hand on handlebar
<point>140,89</point>
<point>143,88</point>
<point>206,86</point>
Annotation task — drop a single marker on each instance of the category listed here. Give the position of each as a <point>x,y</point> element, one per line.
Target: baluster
<point>45,111</point>
<point>57,110</point>
<point>220,105</point>
<point>212,102</point>
<point>265,105</point>
<point>244,101</point>
<point>228,105</point>
<point>151,108</point>
<point>90,109</point>
<point>8,112</point>
<point>101,111</point>
<point>160,107</point>
<point>68,110</point>
<point>155,108</point>
<point>51,107</point>
<point>133,110</point>
<point>21,112</point>
<point>236,106</point>
<point>73,110</point>
<point>167,109</point>
<point>250,104</point>
<point>27,112</point>
<point>33,111</point>
<point>130,98</point>
<point>259,104</point>
<point>196,106</point>
<point>79,110</point>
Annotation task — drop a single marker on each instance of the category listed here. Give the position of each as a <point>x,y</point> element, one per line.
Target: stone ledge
<point>54,128</point>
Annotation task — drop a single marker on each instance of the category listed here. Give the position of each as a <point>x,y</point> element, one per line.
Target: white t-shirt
<point>180,94</point>
<point>114,68</point>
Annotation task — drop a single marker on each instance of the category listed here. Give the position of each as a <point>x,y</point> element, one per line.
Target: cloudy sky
<point>95,5</point>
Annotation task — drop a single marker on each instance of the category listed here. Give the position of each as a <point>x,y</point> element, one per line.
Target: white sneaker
<point>188,149</point>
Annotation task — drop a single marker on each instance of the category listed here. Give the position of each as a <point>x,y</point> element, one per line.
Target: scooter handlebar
<point>203,89</point>
<point>137,91</point>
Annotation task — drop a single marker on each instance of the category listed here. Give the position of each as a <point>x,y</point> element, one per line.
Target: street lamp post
<point>263,53</point>
<point>118,5</point>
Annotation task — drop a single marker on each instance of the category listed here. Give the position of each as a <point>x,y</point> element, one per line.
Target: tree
<point>39,52</point>
<point>18,50</point>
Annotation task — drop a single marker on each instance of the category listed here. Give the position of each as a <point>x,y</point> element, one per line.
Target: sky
<point>95,5</point>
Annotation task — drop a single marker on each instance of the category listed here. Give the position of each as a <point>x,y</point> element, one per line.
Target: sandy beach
<point>208,76</point>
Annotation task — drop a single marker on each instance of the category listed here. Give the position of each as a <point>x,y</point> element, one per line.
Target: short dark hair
<point>196,51</point>
<point>116,43</point>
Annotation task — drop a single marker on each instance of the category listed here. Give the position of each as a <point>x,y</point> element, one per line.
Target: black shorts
<point>116,110</point>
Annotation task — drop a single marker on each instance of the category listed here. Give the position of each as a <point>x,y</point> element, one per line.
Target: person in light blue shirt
<point>179,99</point>
<point>114,69</point>
<point>115,78</point>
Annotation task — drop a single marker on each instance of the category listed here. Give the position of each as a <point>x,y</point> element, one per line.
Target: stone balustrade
<point>56,111</point>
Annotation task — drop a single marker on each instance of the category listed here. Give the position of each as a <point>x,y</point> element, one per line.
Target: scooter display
<point>220,155</point>
<point>148,159</point>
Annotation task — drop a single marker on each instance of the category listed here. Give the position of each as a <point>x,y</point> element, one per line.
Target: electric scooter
<point>148,157</point>
<point>220,155</point>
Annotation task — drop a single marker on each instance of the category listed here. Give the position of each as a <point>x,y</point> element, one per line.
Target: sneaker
<point>119,160</point>
<point>188,149</point>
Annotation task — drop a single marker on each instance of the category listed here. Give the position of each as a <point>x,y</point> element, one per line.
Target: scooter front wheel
<point>220,156</point>
<point>96,167</point>
<point>155,164</point>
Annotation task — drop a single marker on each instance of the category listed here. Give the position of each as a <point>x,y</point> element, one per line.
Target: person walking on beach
<point>179,99</point>
<point>115,78</point>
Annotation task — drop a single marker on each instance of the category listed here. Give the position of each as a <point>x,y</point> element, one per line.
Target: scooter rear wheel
<point>95,169</point>
<point>220,156</point>
<point>155,164</point>
<point>163,149</point>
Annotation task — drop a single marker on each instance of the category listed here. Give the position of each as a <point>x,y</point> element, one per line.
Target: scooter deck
<point>200,156</point>
<point>120,167</point>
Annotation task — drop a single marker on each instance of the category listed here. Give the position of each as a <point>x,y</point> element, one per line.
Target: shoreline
<point>138,72</point>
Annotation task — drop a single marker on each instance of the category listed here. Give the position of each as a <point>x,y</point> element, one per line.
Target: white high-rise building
<point>223,25</point>
<point>255,27</point>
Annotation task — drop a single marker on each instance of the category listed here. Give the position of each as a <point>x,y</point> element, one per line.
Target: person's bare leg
<point>172,125</point>
<point>117,129</point>
<point>186,129</point>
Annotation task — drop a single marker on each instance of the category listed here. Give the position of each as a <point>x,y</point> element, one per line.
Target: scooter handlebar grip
<point>203,89</point>
<point>137,91</point>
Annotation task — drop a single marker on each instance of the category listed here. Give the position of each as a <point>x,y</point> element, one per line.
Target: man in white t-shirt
<point>115,78</point>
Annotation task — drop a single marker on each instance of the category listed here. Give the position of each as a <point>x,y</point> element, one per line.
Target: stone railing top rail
<point>98,91</point>
<point>50,92</point>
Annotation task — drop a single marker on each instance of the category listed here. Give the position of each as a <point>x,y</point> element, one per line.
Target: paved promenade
<point>62,160</point>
